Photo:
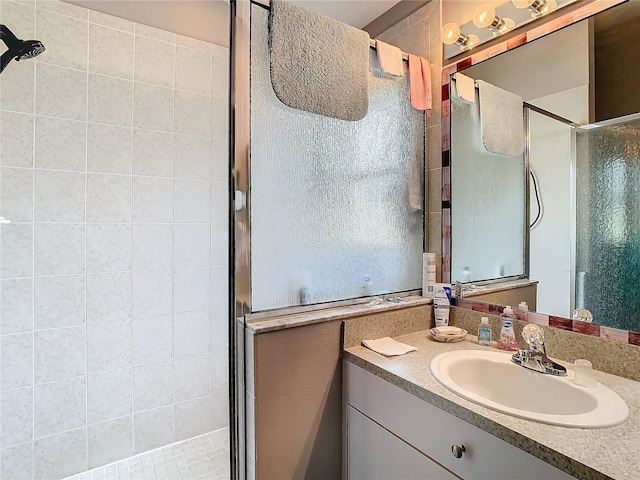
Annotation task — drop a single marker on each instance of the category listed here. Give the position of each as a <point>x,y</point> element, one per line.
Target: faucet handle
<point>534,336</point>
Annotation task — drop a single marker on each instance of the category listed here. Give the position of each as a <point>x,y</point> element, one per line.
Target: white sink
<point>489,378</point>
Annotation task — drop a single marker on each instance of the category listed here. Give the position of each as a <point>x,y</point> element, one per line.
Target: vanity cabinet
<point>393,434</point>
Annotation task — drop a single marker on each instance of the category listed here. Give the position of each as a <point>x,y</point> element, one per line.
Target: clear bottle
<point>484,332</point>
<point>507,340</point>
<point>367,286</point>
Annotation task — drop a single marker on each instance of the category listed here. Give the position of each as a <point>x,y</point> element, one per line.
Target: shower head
<point>17,49</point>
<point>30,49</point>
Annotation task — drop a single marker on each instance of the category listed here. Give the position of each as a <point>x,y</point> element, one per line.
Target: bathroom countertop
<point>606,453</point>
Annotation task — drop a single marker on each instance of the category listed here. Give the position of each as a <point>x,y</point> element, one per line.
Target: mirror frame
<point>585,10</point>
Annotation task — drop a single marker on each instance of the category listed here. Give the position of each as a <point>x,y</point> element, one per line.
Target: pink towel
<point>419,83</point>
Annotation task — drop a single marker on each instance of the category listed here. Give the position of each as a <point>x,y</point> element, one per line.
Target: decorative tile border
<point>634,338</point>
<point>591,329</point>
<point>561,323</point>
<point>587,8</point>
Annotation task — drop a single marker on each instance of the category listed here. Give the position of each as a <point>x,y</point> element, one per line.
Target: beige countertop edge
<point>498,287</point>
<point>282,322</point>
<point>588,454</point>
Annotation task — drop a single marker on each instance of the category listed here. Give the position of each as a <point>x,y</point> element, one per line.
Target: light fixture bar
<point>451,34</point>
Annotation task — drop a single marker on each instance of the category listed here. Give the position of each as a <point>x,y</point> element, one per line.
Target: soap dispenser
<point>484,332</point>
<point>507,340</point>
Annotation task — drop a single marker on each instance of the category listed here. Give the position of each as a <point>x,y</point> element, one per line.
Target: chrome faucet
<point>535,357</point>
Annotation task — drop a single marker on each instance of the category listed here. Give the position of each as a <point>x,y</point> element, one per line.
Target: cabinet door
<point>374,453</point>
<point>433,432</point>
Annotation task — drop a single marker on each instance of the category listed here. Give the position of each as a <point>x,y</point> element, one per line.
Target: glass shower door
<point>608,221</point>
<point>550,211</point>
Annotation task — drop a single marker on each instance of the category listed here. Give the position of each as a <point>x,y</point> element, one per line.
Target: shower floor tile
<point>203,457</point>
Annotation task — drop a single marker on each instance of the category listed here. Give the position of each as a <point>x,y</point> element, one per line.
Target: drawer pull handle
<point>457,450</point>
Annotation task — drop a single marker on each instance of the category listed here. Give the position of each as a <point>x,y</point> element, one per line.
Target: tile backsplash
<point>577,326</point>
<point>113,171</point>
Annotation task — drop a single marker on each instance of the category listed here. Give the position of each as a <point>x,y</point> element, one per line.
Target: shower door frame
<point>239,292</point>
<point>528,107</point>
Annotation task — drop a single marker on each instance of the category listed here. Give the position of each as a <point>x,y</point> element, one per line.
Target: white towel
<point>390,59</point>
<point>501,120</point>
<point>466,87</point>
<point>388,346</point>
<point>318,64</point>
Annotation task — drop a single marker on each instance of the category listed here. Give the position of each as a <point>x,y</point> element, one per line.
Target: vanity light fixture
<point>536,7</point>
<point>451,34</point>
<point>485,17</point>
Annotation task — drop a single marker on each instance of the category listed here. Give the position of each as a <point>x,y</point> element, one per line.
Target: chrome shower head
<point>17,49</point>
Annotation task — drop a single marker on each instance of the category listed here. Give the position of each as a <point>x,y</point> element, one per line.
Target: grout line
<point>33,262</point>
<point>86,179</point>
<point>114,272</point>
<point>115,174</point>
<point>173,247</point>
<point>211,224</point>
<point>124,79</point>
<point>132,291</point>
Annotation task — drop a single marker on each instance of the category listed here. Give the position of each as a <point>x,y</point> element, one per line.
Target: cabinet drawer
<point>434,432</point>
<point>376,454</point>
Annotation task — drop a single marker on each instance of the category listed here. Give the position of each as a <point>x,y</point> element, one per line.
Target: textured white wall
<point>114,276</point>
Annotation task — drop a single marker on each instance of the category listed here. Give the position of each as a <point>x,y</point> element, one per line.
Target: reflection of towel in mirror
<point>390,59</point>
<point>415,186</point>
<point>501,120</point>
<point>419,82</point>
<point>465,87</point>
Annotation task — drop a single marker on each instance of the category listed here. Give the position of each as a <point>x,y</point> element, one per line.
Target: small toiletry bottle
<point>507,340</point>
<point>523,306</point>
<point>484,332</point>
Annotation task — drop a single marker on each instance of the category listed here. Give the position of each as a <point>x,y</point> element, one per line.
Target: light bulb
<point>484,16</point>
<point>537,7</point>
<point>472,41</point>
<point>522,3</point>
<point>549,6</point>
<point>509,24</point>
<point>450,33</point>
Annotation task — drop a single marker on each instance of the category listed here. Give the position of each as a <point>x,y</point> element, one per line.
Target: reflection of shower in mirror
<point>539,215</point>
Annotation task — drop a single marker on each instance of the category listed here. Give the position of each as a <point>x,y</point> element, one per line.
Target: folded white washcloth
<point>390,59</point>
<point>388,346</point>
<point>466,87</point>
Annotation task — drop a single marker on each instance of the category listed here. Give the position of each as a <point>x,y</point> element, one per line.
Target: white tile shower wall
<point>113,274</point>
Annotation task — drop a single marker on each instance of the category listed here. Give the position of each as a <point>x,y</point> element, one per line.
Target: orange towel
<point>419,83</point>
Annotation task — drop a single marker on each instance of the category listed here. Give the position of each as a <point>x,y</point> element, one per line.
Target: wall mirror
<point>566,213</point>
